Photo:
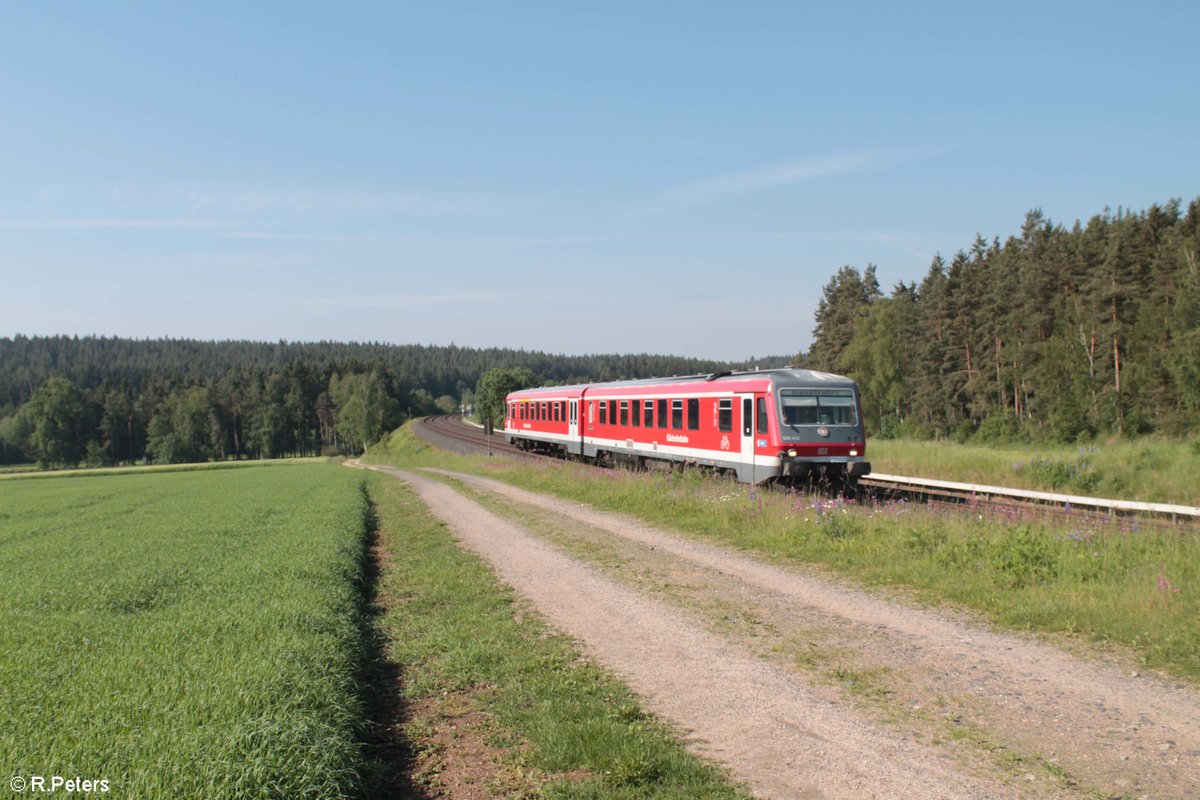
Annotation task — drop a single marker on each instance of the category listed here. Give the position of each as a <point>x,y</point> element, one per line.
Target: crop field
<point>185,634</point>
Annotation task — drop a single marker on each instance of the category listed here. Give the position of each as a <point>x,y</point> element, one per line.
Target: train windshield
<point>818,407</point>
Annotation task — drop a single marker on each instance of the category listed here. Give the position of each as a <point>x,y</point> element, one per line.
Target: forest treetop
<point>1054,333</point>
<point>64,399</point>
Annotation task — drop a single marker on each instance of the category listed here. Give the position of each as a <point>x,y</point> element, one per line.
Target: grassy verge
<point>1150,470</point>
<point>189,634</point>
<point>1119,583</point>
<point>474,661</point>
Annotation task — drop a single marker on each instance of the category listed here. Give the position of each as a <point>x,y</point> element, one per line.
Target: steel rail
<point>983,492</point>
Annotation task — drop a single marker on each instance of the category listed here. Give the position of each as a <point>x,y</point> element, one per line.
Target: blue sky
<point>606,177</point>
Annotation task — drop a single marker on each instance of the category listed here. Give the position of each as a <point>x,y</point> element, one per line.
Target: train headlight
<point>793,453</point>
<point>853,453</point>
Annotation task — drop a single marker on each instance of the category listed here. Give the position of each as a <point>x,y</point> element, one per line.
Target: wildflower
<point>1165,585</point>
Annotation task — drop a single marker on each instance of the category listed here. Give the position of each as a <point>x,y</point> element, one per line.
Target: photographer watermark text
<point>51,784</point>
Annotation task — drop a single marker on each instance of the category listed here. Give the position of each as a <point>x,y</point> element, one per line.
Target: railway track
<point>996,498</point>
<point>454,428</point>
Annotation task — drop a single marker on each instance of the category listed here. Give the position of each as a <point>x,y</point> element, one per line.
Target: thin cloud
<point>405,301</point>
<point>124,223</point>
<point>781,175</point>
<point>284,201</point>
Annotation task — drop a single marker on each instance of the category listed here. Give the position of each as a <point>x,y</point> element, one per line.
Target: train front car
<point>821,435</point>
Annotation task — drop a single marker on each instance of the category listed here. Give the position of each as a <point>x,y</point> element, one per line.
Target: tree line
<point>1055,333</point>
<point>105,401</point>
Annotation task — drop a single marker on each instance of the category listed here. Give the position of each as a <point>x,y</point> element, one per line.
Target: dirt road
<point>804,687</point>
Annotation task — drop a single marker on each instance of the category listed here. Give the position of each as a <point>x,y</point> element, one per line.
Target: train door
<point>746,472</point>
<point>573,425</point>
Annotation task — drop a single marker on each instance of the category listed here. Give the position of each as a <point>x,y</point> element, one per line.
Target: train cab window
<point>677,414</point>
<point>762,415</point>
<point>624,412</point>
<point>662,413</point>
<point>636,417</point>
<point>648,414</point>
<point>725,415</point>
<point>603,413</point>
<point>693,414</point>
<point>808,407</point>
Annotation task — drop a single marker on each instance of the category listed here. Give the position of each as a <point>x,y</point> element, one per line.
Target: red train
<point>763,426</point>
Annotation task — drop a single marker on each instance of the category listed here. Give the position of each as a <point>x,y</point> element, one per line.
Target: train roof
<point>779,378</point>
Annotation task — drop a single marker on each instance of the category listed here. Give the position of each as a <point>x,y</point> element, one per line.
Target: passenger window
<point>662,413</point>
<point>612,412</point>
<point>637,413</point>
<point>693,414</point>
<point>648,413</point>
<point>725,415</point>
<point>762,415</point>
<point>562,409</point>
<point>591,412</point>
<point>677,414</point>
<point>603,413</point>
<point>624,412</point>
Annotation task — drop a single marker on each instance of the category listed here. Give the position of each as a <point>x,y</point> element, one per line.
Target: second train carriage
<point>760,426</point>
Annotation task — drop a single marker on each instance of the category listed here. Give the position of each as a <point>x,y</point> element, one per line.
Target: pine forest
<point>1055,334</point>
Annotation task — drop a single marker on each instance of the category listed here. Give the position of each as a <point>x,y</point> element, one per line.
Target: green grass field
<point>184,634</point>
<point>32,473</point>
<point>1150,470</point>
<point>225,633</point>
<point>1125,583</point>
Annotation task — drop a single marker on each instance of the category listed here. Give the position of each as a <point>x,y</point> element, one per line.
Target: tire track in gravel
<point>1071,717</point>
<point>782,737</point>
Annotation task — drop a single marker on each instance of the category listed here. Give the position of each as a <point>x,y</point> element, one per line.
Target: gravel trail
<point>1108,728</point>
<point>783,737</point>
